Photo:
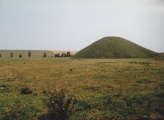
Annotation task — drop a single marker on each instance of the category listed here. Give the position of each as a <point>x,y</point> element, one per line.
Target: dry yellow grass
<point>43,73</point>
<point>85,79</point>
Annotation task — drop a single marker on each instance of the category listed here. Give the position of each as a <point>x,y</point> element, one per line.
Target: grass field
<point>104,89</point>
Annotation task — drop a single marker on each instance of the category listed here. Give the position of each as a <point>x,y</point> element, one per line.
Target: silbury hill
<point>114,47</point>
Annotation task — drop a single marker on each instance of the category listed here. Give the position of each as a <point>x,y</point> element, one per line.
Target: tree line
<point>68,54</point>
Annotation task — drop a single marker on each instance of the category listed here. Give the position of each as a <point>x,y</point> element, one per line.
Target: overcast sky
<point>75,24</point>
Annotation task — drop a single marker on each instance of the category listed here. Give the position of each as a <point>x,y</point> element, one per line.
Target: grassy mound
<point>114,47</point>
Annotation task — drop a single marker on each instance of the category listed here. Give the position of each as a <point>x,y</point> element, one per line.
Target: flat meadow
<point>103,89</point>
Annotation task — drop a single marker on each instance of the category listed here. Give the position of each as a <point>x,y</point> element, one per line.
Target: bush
<point>26,90</point>
<point>59,106</point>
<point>44,92</point>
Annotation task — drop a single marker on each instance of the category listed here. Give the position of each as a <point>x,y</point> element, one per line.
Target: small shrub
<point>44,92</point>
<point>26,90</point>
<point>59,106</point>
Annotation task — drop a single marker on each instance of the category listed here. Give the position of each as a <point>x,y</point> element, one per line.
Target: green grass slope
<point>24,53</point>
<point>114,47</point>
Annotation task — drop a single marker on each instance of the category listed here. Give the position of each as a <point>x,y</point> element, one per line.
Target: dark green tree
<point>68,54</point>
<point>0,55</point>
<point>57,55</point>
<point>11,54</point>
<point>29,54</point>
<point>20,56</point>
<point>63,55</point>
<point>44,54</point>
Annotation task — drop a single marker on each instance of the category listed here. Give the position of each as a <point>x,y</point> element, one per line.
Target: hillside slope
<point>114,47</point>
